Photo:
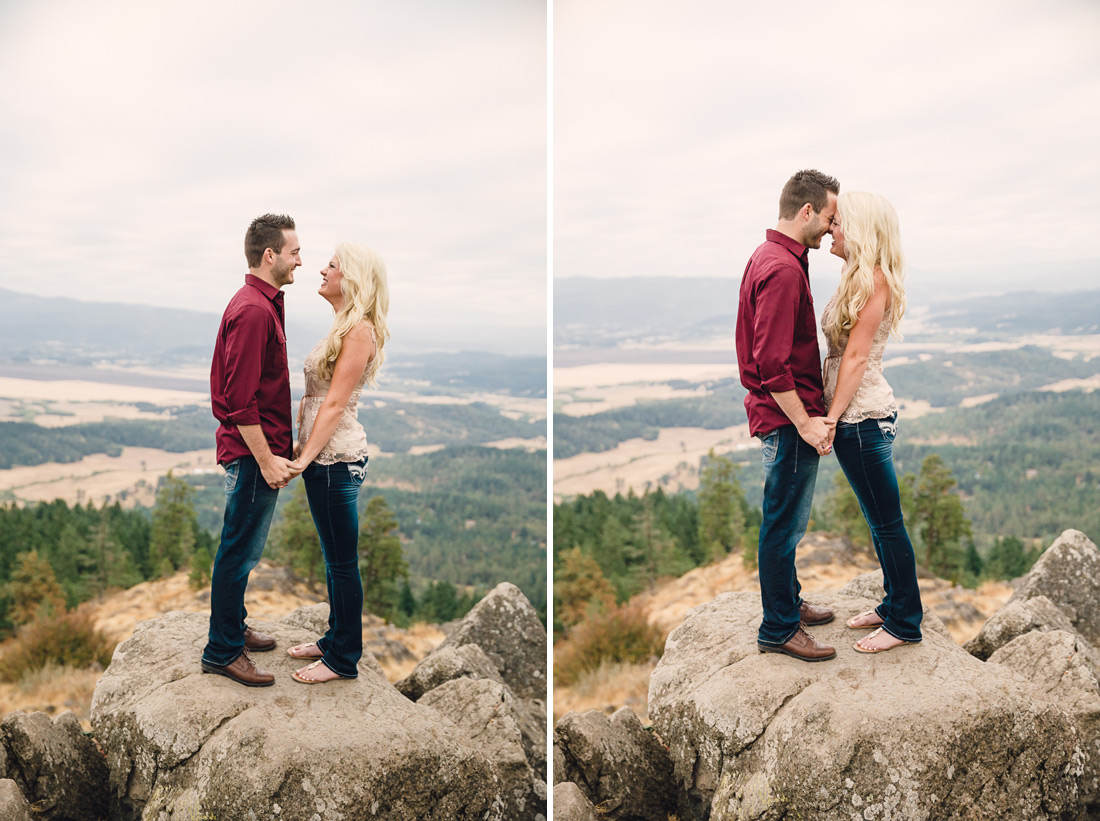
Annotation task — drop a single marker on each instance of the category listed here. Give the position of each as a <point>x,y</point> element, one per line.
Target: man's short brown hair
<point>808,186</point>
<point>265,232</point>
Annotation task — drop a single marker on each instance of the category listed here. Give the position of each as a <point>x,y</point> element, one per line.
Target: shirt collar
<point>794,246</point>
<point>265,288</point>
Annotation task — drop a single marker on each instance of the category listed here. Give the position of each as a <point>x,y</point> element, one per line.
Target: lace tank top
<point>349,440</point>
<point>873,399</point>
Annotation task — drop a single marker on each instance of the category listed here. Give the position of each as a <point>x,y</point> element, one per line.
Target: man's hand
<point>817,433</point>
<point>276,471</point>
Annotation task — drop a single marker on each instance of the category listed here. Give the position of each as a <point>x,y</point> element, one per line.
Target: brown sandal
<point>298,651</point>
<point>871,635</point>
<point>851,622</point>
<point>305,680</point>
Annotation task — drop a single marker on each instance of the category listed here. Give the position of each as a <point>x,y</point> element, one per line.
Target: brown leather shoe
<point>262,641</point>
<point>243,671</point>
<point>801,646</point>
<point>811,615</point>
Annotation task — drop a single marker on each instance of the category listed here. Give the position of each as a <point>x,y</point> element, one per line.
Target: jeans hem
<point>206,660</point>
<point>780,643</point>
<point>900,638</point>
<point>329,666</point>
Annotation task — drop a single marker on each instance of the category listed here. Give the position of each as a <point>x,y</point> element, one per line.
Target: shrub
<point>620,635</point>
<point>70,639</point>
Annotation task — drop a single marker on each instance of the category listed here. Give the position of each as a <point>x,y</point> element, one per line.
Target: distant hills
<point>595,312</point>
<point>74,334</point>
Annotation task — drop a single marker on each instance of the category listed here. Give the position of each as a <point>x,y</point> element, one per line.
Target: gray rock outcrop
<point>183,744</point>
<point>13,805</point>
<point>55,766</point>
<point>570,804</point>
<point>446,664</point>
<point>1065,670</point>
<point>620,766</point>
<point>925,731</point>
<point>488,680</point>
<point>1068,573</point>
<point>1014,619</point>
<point>507,628</point>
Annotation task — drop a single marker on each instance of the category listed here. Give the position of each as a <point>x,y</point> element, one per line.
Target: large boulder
<point>57,768</point>
<point>13,804</point>
<point>488,679</point>
<point>620,766</point>
<point>447,664</point>
<point>493,719</point>
<point>1065,670</point>
<point>924,731</point>
<point>1014,619</point>
<point>507,628</point>
<point>1068,573</point>
<point>183,744</point>
<point>570,804</point>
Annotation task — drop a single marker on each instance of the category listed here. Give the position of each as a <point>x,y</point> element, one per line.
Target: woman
<point>859,318</point>
<point>333,448</point>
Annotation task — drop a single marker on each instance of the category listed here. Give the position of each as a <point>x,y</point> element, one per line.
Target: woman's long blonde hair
<point>872,240</point>
<point>366,297</point>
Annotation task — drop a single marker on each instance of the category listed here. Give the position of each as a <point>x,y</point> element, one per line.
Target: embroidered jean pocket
<point>889,427</point>
<point>358,471</point>
<point>769,446</point>
<point>232,471</point>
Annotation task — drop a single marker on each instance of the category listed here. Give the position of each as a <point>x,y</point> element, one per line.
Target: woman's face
<point>838,239</point>
<point>331,277</point>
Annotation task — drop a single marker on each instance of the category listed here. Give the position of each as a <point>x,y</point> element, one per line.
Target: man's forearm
<point>791,405</point>
<point>253,436</point>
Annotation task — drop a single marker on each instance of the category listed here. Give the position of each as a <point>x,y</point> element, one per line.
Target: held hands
<point>818,432</point>
<point>278,471</point>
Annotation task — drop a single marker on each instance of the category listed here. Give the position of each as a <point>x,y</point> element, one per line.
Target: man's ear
<point>806,211</point>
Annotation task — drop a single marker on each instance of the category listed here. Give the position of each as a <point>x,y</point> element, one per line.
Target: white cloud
<point>677,124</point>
<point>143,138</point>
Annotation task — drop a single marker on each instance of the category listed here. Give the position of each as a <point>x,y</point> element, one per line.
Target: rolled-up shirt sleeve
<point>777,303</point>
<point>245,336</point>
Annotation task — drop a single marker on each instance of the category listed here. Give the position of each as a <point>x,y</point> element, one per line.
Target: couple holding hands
<point>802,411</point>
<point>250,394</point>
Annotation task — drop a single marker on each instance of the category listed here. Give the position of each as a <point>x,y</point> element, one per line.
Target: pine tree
<point>294,540</point>
<point>659,550</point>
<point>201,567</point>
<point>845,514</point>
<point>174,522</point>
<point>381,562</point>
<point>721,506</point>
<point>113,566</point>
<point>34,590</point>
<point>580,588</point>
<point>943,522</point>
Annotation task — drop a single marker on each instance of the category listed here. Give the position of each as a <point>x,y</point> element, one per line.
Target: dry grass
<point>52,690</point>
<point>670,461</point>
<point>611,686</point>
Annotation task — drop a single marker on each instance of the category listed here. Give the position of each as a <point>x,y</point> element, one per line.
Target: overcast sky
<point>140,139</point>
<point>676,125</point>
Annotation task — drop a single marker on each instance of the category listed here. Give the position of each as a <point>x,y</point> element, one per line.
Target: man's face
<point>282,270</point>
<point>820,224</point>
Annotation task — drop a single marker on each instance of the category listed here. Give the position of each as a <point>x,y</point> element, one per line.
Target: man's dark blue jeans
<point>790,473</point>
<point>249,506</point>
<point>865,451</point>
<point>333,493</point>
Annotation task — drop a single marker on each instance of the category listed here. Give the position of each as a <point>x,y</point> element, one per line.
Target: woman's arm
<point>354,356</point>
<point>853,364</point>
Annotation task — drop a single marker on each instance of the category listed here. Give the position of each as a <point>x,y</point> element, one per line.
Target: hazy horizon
<point>676,127</point>
<point>418,129</point>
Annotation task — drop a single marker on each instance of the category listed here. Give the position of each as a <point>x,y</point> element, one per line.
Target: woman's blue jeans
<point>865,451</point>
<point>249,506</point>
<point>333,493</point>
<point>790,473</point>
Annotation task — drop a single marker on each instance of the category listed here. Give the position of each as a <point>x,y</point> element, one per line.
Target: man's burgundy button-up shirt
<point>776,340</point>
<point>249,381</point>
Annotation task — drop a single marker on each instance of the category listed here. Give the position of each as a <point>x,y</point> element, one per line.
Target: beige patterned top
<point>873,399</point>
<point>349,440</point>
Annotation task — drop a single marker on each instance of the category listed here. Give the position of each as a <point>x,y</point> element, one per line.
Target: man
<point>780,364</point>
<point>250,395</point>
